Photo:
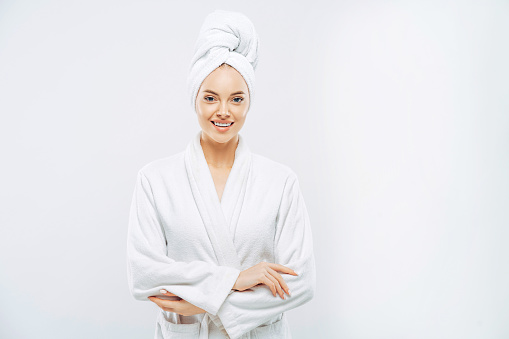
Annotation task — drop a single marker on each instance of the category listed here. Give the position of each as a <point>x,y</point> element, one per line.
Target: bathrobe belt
<point>204,327</point>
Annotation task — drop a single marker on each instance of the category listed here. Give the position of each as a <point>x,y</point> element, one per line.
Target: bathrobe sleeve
<point>242,311</point>
<point>201,283</point>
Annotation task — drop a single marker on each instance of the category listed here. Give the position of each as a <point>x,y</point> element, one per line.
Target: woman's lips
<point>221,129</point>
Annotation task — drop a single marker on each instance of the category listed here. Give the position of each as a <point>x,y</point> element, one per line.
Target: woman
<point>219,238</point>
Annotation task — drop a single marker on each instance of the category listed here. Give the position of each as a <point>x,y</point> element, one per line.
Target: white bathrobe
<point>182,238</point>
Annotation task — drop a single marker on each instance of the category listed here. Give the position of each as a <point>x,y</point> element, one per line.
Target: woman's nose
<point>223,111</point>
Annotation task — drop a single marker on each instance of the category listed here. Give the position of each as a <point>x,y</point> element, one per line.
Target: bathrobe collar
<point>219,217</point>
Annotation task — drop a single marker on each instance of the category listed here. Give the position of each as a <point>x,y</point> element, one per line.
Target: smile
<point>218,124</point>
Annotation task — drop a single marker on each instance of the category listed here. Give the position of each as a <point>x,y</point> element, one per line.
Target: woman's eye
<point>241,99</point>
<point>209,97</point>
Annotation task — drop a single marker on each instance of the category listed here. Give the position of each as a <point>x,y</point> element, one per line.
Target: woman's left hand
<point>181,306</point>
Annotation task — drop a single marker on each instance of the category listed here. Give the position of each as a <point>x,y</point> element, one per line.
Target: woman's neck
<point>219,155</point>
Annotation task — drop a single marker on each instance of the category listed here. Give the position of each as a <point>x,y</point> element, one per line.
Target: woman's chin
<point>219,137</point>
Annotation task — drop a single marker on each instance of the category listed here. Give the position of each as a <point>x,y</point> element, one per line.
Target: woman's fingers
<point>269,283</point>
<point>279,279</point>
<point>265,273</point>
<point>159,302</point>
<point>166,305</point>
<point>165,292</point>
<point>281,268</point>
<point>276,284</point>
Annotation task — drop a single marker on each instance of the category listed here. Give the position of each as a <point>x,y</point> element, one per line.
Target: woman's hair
<point>225,65</point>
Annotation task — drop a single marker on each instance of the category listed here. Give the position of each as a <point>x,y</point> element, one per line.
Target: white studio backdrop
<point>394,115</point>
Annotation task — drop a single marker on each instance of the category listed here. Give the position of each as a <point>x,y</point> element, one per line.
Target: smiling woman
<point>213,229</point>
<point>222,104</point>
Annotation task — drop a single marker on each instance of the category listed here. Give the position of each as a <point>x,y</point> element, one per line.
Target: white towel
<point>225,37</point>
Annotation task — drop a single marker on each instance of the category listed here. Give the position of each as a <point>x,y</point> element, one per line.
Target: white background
<point>394,115</point>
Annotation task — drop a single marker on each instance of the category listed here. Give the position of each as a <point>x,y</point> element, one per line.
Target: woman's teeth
<point>222,125</point>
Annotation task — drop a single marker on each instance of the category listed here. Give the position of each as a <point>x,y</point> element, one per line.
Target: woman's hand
<point>181,306</point>
<point>264,273</point>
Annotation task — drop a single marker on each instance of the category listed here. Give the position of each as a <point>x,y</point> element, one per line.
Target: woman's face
<point>223,97</point>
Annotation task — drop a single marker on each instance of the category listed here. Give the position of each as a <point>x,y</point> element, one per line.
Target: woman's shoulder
<point>165,165</point>
<point>272,167</point>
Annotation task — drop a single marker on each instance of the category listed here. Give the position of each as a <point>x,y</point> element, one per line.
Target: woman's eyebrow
<point>210,91</point>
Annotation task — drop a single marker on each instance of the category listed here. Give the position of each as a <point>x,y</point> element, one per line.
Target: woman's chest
<point>252,231</point>
<point>219,177</point>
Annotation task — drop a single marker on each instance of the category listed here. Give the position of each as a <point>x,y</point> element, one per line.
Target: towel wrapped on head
<point>225,37</point>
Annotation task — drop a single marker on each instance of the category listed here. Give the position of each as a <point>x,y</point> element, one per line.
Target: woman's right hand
<point>264,273</point>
